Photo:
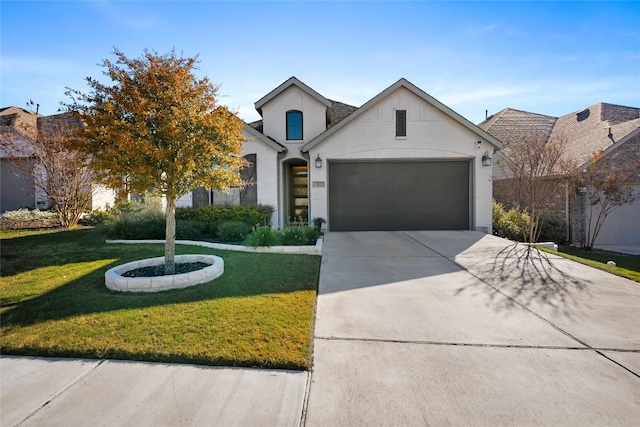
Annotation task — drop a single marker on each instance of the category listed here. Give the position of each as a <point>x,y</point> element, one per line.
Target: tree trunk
<point>170,238</point>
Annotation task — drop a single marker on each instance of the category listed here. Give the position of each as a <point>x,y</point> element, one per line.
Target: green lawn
<point>626,265</point>
<point>54,303</point>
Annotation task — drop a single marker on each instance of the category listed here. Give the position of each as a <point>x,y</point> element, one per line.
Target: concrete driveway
<point>463,328</point>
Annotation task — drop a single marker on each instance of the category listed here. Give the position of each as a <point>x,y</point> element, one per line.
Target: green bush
<point>263,235</point>
<point>233,231</point>
<point>293,236</point>
<point>509,224</point>
<point>99,217</point>
<point>552,230</point>
<point>147,225</point>
<point>213,216</point>
<point>127,206</point>
<point>312,234</point>
<point>189,230</point>
<point>299,236</point>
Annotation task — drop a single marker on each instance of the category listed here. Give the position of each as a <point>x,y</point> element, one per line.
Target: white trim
<point>290,250</point>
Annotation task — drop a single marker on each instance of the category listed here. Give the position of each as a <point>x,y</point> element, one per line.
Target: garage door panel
<point>398,195</point>
<point>17,188</point>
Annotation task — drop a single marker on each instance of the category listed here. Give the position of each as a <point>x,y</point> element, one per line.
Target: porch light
<point>318,162</point>
<point>486,160</point>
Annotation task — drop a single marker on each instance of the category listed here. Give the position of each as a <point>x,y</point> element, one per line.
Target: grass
<point>54,303</point>
<point>626,265</point>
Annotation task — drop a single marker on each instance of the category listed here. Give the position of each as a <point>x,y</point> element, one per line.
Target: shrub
<point>144,225</point>
<point>552,230</point>
<point>127,206</point>
<point>299,235</point>
<point>98,217</point>
<point>509,224</point>
<point>189,230</point>
<point>213,216</point>
<point>29,215</point>
<point>263,235</point>
<point>293,236</point>
<point>233,231</point>
<point>312,234</point>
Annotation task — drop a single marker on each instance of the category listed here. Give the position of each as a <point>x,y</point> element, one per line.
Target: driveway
<point>464,328</point>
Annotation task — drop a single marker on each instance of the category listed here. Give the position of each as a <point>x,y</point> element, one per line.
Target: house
<point>401,161</point>
<point>18,165</point>
<point>611,129</point>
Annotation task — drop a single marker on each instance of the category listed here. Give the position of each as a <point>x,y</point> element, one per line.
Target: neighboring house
<point>18,189</point>
<point>613,129</point>
<point>402,161</point>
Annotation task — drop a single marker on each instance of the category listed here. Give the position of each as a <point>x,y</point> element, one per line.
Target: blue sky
<point>548,57</point>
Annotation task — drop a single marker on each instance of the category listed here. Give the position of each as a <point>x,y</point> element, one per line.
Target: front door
<point>298,194</point>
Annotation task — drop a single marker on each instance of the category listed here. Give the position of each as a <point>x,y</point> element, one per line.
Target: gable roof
<point>585,132</point>
<point>338,111</point>
<point>416,91</point>
<point>292,81</point>
<point>250,129</point>
<point>16,119</point>
<point>513,125</point>
<point>617,144</point>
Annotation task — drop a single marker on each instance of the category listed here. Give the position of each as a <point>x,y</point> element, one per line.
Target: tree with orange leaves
<point>159,128</point>
<point>605,191</point>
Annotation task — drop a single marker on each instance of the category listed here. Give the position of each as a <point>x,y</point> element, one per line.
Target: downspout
<point>567,217</point>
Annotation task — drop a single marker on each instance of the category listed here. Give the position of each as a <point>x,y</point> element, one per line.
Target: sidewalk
<point>80,392</point>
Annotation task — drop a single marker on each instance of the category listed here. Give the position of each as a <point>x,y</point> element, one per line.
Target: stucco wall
<point>102,197</point>
<point>314,116</point>
<point>267,174</point>
<point>430,135</point>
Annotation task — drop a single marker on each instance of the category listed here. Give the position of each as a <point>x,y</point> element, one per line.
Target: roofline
<point>418,92</point>
<point>613,147</point>
<point>261,137</point>
<point>291,81</point>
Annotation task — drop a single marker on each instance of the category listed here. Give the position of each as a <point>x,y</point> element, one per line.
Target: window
<point>401,122</point>
<point>294,125</point>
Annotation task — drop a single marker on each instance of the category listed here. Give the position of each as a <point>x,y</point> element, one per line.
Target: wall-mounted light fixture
<point>486,160</point>
<point>318,162</point>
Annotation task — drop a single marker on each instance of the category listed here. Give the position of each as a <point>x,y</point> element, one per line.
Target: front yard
<point>54,303</point>
<point>626,265</point>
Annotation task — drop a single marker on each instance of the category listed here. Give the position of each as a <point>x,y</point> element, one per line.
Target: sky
<point>551,58</point>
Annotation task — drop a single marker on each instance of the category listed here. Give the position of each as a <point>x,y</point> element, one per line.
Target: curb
<point>291,250</point>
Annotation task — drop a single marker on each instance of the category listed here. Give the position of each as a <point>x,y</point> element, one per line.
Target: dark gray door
<point>399,195</point>
<point>18,189</point>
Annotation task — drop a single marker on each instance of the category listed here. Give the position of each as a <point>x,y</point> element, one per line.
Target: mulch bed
<point>158,270</point>
<point>28,224</point>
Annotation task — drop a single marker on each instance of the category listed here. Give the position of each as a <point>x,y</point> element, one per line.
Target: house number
<point>317,184</point>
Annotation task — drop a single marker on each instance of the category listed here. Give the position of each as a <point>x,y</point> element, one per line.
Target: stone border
<point>302,250</point>
<point>116,282</point>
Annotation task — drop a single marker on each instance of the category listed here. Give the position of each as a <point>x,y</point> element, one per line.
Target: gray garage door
<point>399,195</point>
<point>17,189</point>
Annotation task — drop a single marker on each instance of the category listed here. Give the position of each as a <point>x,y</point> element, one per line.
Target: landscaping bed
<point>626,265</point>
<point>55,303</point>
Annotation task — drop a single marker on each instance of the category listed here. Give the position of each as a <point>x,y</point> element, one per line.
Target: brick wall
<point>625,158</point>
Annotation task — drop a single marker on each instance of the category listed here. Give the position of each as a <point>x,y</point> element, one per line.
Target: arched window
<point>294,125</point>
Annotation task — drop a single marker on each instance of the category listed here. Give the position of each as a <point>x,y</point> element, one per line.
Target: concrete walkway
<point>461,328</point>
<point>73,392</point>
<point>413,328</point>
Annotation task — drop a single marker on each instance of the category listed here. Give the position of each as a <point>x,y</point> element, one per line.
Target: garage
<point>399,195</point>
<point>17,188</point>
